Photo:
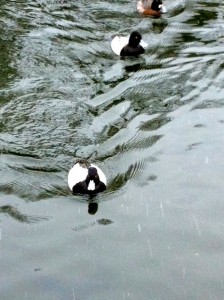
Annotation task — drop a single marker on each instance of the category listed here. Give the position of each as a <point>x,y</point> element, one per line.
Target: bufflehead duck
<point>128,45</point>
<point>86,178</point>
<point>151,7</point>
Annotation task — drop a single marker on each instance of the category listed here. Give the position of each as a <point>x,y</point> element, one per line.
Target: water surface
<point>154,124</point>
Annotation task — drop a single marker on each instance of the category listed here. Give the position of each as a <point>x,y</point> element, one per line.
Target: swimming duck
<point>128,45</point>
<point>86,178</point>
<point>151,7</point>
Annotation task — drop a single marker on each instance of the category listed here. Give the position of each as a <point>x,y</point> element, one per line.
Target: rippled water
<point>154,125</point>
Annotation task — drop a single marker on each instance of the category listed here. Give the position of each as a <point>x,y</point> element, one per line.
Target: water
<point>153,124</point>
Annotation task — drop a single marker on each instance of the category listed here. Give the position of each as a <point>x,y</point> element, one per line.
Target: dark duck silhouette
<point>86,178</point>
<point>133,48</point>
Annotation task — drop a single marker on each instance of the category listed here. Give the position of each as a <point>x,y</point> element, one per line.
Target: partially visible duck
<point>128,45</point>
<point>86,178</point>
<point>151,7</point>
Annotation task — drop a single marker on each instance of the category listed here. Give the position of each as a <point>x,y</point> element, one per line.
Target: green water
<point>154,124</point>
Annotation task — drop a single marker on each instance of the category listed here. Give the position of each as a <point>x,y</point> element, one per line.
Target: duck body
<point>151,7</point>
<point>86,178</point>
<point>131,45</point>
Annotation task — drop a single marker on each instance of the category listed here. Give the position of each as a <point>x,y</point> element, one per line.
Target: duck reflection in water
<point>92,208</point>
<point>133,68</point>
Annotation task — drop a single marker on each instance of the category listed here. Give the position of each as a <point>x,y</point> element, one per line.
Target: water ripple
<point>68,95</point>
<point>155,126</point>
<point>14,213</point>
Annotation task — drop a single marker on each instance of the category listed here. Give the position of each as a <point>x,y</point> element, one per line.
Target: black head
<point>92,174</point>
<point>155,5</point>
<point>134,39</point>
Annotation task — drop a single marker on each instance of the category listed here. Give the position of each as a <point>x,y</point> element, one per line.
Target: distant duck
<point>86,178</point>
<point>151,7</point>
<point>128,45</point>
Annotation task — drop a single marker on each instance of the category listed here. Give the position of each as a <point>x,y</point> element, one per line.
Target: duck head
<point>156,5</point>
<point>134,39</point>
<point>92,179</point>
